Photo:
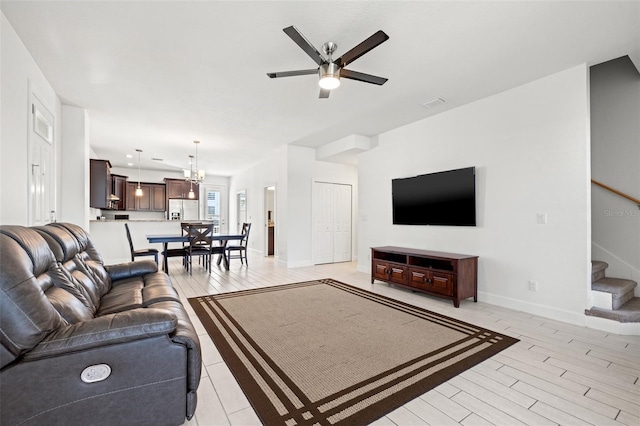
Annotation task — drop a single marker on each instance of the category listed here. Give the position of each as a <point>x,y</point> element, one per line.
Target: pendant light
<point>138,189</point>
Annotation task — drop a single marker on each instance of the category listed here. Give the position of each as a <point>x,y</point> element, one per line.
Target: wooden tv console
<point>448,275</point>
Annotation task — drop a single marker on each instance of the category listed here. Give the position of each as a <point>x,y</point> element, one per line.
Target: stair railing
<point>615,191</point>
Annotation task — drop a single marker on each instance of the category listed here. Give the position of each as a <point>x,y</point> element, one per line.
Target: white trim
<point>611,326</point>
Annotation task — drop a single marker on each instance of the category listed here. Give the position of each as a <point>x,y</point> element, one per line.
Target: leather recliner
<point>86,344</point>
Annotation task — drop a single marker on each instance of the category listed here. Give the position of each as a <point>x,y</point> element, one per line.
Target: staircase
<point>617,302</point>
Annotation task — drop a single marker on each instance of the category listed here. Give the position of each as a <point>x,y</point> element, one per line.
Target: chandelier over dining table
<point>193,176</point>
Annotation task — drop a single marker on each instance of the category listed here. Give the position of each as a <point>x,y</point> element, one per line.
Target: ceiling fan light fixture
<point>329,76</point>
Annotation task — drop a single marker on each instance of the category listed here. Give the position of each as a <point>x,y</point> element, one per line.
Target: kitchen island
<point>110,237</point>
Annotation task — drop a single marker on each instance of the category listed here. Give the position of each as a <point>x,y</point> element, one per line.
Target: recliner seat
<point>63,312</point>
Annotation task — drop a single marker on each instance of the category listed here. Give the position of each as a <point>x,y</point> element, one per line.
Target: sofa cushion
<point>26,314</point>
<point>137,292</point>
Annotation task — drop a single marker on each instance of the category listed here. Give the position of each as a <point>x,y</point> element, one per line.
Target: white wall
<point>18,71</point>
<point>269,172</point>
<point>615,160</point>
<point>73,170</point>
<point>530,147</point>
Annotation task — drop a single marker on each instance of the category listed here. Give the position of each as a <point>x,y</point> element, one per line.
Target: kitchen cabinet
<point>152,199</point>
<point>448,275</point>
<point>119,189</point>
<point>99,184</point>
<point>179,188</point>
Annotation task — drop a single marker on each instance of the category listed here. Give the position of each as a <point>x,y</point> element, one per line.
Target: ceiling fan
<point>330,71</point>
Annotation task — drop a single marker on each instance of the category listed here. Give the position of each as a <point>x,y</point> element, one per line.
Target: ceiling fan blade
<point>324,93</point>
<point>360,76</point>
<point>370,43</point>
<point>304,44</point>
<point>292,73</point>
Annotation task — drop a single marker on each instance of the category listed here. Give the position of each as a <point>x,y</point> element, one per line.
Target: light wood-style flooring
<point>557,374</point>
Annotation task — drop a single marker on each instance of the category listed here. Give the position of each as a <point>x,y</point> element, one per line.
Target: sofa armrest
<point>110,329</point>
<point>121,271</point>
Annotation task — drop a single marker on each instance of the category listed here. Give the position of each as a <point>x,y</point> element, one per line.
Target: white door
<point>342,223</point>
<point>214,207</point>
<point>41,168</point>
<point>331,223</point>
<point>323,222</point>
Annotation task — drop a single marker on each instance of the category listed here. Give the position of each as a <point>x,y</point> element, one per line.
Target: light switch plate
<point>542,218</point>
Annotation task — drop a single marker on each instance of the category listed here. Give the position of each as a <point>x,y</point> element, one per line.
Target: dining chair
<point>200,244</point>
<point>179,252</point>
<point>241,247</point>
<point>140,252</point>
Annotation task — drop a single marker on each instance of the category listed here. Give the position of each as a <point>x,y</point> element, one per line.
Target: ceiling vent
<point>433,103</point>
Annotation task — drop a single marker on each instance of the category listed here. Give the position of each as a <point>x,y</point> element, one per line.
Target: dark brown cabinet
<point>152,199</point>
<point>179,188</point>
<point>99,183</point>
<point>119,189</point>
<point>448,275</point>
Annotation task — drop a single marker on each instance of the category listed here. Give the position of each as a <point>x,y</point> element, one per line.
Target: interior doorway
<point>42,176</point>
<point>270,244</point>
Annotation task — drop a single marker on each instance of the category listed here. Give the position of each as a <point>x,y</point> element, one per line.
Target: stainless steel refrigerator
<point>183,209</point>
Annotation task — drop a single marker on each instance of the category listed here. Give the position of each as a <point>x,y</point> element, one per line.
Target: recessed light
<point>129,156</point>
<point>129,164</point>
<point>433,103</point>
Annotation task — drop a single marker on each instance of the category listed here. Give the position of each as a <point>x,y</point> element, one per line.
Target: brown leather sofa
<point>86,344</point>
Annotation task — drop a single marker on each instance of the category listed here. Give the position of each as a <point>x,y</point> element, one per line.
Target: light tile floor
<point>557,374</point>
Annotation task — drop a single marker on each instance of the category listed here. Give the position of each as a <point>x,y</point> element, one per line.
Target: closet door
<point>331,223</point>
<point>322,223</point>
<point>342,223</point>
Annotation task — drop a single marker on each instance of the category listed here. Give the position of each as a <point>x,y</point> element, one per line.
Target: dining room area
<point>198,240</point>
<point>197,244</point>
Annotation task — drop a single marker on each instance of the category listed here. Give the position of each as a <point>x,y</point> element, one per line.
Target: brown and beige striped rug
<point>325,353</point>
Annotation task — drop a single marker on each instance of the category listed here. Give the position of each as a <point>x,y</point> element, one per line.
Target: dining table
<point>165,239</point>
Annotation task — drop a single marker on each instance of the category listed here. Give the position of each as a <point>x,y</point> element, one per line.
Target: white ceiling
<point>158,75</point>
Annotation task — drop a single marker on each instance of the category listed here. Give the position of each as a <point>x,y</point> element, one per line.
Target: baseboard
<point>533,308</point>
<point>299,264</point>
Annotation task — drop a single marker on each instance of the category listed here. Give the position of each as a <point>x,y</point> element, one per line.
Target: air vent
<point>433,103</point>
<point>157,159</point>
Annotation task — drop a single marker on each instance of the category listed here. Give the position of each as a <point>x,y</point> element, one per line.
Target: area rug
<point>326,353</point>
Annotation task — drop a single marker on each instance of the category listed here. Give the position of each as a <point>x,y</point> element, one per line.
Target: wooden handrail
<point>615,191</point>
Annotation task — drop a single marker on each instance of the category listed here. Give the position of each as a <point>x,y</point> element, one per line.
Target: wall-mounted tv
<point>443,198</point>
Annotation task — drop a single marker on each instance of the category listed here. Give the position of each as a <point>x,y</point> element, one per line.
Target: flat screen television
<point>443,198</point>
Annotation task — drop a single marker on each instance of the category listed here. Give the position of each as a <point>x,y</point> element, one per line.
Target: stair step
<point>621,290</point>
<point>597,269</point>
<point>616,286</point>
<point>629,312</point>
